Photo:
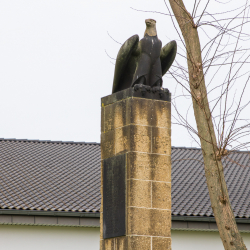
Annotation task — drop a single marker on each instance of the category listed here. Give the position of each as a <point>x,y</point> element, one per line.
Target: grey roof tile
<point>65,176</point>
<point>46,175</point>
<point>189,190</point>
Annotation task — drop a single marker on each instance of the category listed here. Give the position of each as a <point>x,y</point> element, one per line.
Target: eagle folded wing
<point>122,71</point>
<point>168,53</point>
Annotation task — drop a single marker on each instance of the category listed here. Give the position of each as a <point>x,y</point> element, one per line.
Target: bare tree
<point>221,126</point>
<point>217,132</point>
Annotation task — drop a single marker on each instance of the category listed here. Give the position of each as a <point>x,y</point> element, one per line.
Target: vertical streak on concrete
<point>140,128</point>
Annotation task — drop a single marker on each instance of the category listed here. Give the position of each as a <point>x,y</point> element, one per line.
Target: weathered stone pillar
<point>136,171</point>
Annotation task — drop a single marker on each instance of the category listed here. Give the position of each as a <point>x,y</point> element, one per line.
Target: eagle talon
<point>142,88</point>
<point>148,88</point>
<point>157,89</point>
<point>166,91</point>
<point>138,87</point>
<point>161,92</point>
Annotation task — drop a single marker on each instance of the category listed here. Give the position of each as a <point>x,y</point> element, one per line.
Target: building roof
<point>189,189</point>
<point>46,175</point>
<point>65,176</point>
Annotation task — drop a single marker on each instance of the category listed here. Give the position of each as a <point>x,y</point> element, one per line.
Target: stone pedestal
<point>136,171</point>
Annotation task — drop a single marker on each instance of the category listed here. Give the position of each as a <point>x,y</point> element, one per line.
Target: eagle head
<point>150,27</point>
<point>150,22</point>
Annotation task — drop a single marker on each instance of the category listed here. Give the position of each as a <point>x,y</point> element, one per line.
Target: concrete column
<point>136,171</point>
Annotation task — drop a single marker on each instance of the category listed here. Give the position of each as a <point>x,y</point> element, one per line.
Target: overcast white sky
<point>54,68</point>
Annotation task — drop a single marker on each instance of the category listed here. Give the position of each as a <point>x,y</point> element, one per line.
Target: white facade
<point>192,240</point>
<point>80,238</point>
<point>48,238</point>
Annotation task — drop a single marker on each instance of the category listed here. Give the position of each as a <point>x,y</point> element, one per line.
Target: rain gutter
<point>49,213</point>
<point>204,219</point>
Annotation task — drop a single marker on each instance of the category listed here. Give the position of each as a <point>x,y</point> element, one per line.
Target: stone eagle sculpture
<point>144,62</point>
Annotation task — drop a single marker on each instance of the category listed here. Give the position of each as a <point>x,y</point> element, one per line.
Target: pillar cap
<point>163,95</point>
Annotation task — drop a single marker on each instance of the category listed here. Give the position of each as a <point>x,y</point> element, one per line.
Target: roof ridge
<point>48,141</point>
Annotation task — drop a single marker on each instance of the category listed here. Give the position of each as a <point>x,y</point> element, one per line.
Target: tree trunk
<point>218,193</point>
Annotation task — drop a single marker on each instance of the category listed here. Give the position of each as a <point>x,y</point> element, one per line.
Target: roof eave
<point>204,218</point>
<point>49,213</point>
<point>97,215</point>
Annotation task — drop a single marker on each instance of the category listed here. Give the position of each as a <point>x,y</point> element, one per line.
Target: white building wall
<point>192,240</point>
<point>79,238</point>
<point>48,238</point>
